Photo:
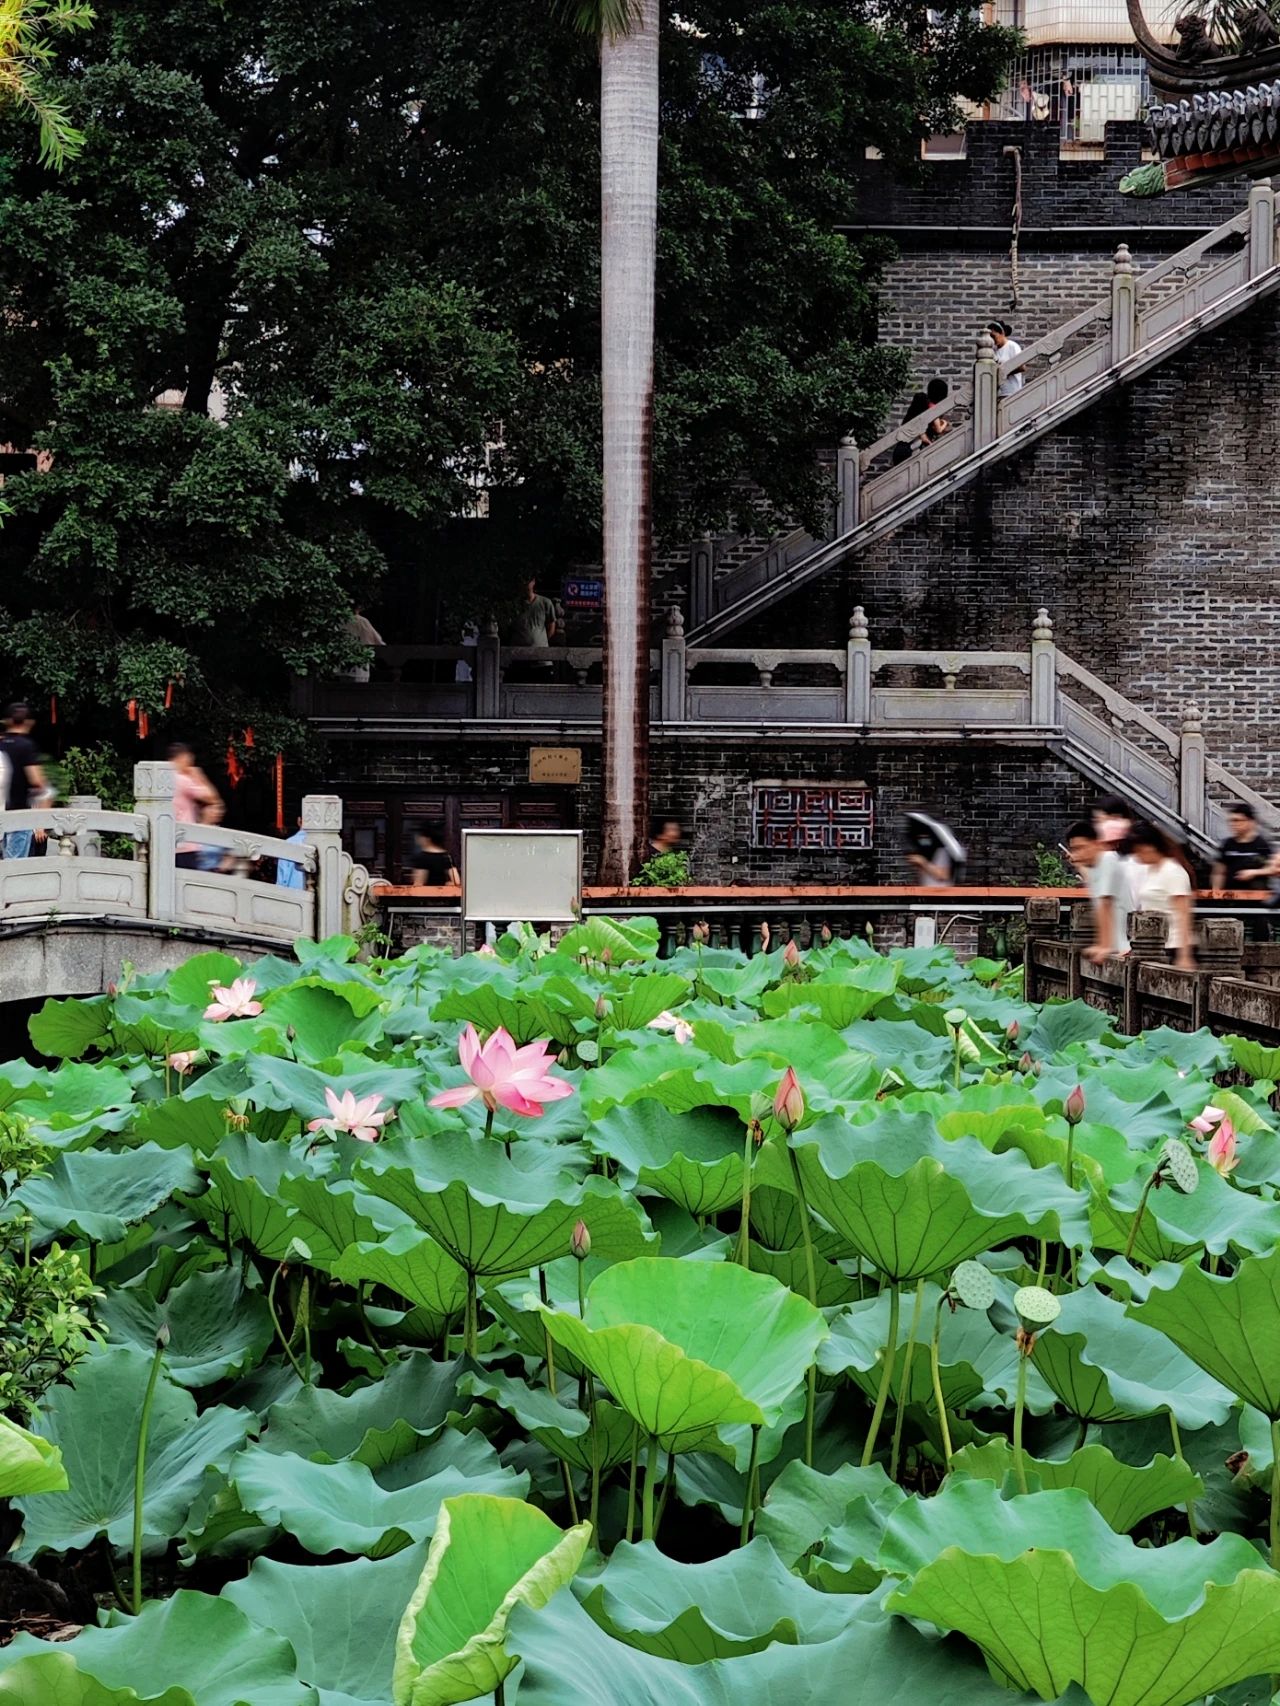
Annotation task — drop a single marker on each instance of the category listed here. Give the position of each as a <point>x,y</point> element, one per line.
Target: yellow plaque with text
<point>555,764</point>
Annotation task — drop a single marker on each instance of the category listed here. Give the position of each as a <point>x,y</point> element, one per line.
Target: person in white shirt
<point>1165,886</point>
<point>1104,875</point>
<point>1007,352</point>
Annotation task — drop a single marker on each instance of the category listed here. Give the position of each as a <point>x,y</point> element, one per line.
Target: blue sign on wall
<point>580,594</point>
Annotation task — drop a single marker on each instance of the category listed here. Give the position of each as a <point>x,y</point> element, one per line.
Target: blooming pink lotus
<point>361,1120</point>
<point>679,1028</point>
<point>181,1062</point>
<point>235,1002</point>
<point>504,1076</point>
<point>1205,1121</point>
<point>1221,1153</point>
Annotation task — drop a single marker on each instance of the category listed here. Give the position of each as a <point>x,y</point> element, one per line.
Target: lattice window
<point>799,817</point>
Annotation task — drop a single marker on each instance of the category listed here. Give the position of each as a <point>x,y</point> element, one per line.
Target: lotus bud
<point>1011,1031</point>
<point>606,956</point>
<point>825,933</point>
<point>1025,1062</point>
<point>111,988</point>
<point>791,954</point>
<point>602,1007</point>
<point>761,1104</point>
<point>1239,1465</point>
<point>291,1033</point>
<point>766,936</point>
<point>1073,1107</point>
<point>1221,1153</point>
<point>788,1104</point>
<point>162,1336</point>
<point>1037,1067</point>
<point>701,932</point>
<point>580,1243</point>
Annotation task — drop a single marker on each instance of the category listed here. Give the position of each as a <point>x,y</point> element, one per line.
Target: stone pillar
<point>986,392</point>
<point>322,821</point>
<point>702,566</point>
<point>1262,227</point>
<point>1221,950</point>
<point>674,709</point>
<point>153,796</point>
<point>1191,801</point>
<point>1079,935</point>
<point>1124,305</point>
<point>1043,915</point>
<point>488,671</point>
<point>846,486</point>
<point>1044,673</point>
<point>1147,933</point>
<point>88,842</point>
<point>857,670</point>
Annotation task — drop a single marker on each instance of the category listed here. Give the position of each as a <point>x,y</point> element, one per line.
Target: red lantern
<point>280,792</point>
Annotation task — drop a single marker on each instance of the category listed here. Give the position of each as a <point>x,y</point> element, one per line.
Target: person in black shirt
<point>1243,857</point>
<point>433,867</point>
<point>27,786</point>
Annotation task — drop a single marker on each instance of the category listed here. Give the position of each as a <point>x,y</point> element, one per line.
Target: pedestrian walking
<point>1108,884</point>
<point>195,800</point>
<point>27,788</point>
<point>1008,353</point>
<point>937,853</point>
<point>1165,886</point>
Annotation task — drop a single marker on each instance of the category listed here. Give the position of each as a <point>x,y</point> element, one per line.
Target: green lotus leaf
<point>832,1075</point>
<point>340,1507</point>
<point>189,984</point>
<point>217,1328</point>
<point>333,1214</point>
<point>99,1459</point>
<point>832,1285</point>
<point>247,1211</point>
<point>1061,1023</point>
<point>28,1463</point>
<point>1053,1596</point>
<point>376,1424</point>
<point>680,1076</point>
<point>562,1428</point>
<point>830,1526</point>
<point>841,995</point>
<point>915,1204</point>
<point>1123,1494</point>
<point>722,1609</point>
<point>625,940</point>
<point>1108,1366</point>
<point>570,1661</point>
<point>1216,1217</point>
<point>644,998</point>
<point>687,1347</point>
<point>69,1029</point>
<point>1228,1325</point>
<point>415,1267</point>
<point>98,1194</point>
<point>207,1647</point>
<point>341,1621</point>
<point>499,1215</point>
<point>693,1158</point>
<point>52,1678</point>
<point>322,1020</point>
<point>487,1556</point>
<point>1251,1057</point>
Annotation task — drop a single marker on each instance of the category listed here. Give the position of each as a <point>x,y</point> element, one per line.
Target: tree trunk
<point>629,219</point>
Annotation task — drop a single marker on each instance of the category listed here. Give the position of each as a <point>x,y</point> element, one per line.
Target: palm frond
<point>26,48</point>
<point>612,18</point>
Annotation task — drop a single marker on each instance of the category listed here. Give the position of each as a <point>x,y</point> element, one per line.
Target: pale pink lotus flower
<point>788,1104</point>
<point>791,955</point>
<point>361,1120</point>
<point>1073,1107</point>
<point>234,1002</point>
<point>180,1062</point>
<point>504,1076</point>
<point>1205,1121</point>
<point>679,1028</point>
<point>488,950</point>
<point>1221,1153</point>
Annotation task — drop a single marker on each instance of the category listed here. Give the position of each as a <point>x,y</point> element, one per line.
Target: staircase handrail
<point>1117,705</point>
<point>1238,790</point>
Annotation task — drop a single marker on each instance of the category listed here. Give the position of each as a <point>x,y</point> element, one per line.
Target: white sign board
<point>531,876</point>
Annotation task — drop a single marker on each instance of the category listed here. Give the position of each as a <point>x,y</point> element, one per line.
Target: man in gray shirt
<point>536,623</point>
<point>1107,880</point>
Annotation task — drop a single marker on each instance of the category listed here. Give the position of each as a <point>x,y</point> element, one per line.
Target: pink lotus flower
<point>580,1242</point>
<point>360,1120</point>
<point>504,1076</point>
<point>1011,1031</point>
<point>679,1028</point>
<point>791,954</point>
<point>1205,1121</point>
<point>181,1062</point>
<point>235,1002</point>
<point>1073,1107</point>
<point>1221,1153</point>
<point>788,1104</point>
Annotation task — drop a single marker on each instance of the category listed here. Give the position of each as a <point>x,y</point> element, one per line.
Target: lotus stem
<point>140,1466</point>
<point>470,1320</point>
<point>551,1360</point>
<point>744,1234</point>
<point>595,1457</point>
<point>374,1346</point>
<point>749,1496</point>
<point>1139,1212</point>
<point>650,1476</point>
<point>631,1481</point>
<point>806,1233</point>
<point>280,1333</point>
<point>1191,1504</point>
<point>500,1696</point>
<point>886,1377</point>
<point>1068,1169</point>
<point>668,1481</point>
<point>935,1371</point>
<point>904,1389</point>
<point>1275,1495</point>
<point>1019,1409</point>
<point>586,1381</point>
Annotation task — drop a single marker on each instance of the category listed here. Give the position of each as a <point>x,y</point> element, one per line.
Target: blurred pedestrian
<point>937,853</point>
<point>1166,886</point>
<point>1108,884</point>
<point>1008,354</point>
<point>28,790</point>
<point>195,800</point>
<point>433,865</point>
<point>288,874</point>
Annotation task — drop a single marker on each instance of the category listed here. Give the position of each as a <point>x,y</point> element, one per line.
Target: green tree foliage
<point>371,232</point>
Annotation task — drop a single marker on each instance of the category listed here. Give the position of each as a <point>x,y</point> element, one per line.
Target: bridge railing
<point>146,881</point>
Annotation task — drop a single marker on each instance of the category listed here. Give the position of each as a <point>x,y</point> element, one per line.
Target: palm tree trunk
<point>629,219</point>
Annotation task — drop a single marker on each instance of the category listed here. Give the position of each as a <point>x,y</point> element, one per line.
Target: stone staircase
<point>1144,319</point>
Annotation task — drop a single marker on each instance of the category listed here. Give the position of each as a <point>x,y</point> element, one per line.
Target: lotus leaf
<point>841,995</point>
<point>695,1159</point>
<point>562,1428</point>
<point>376,1424</point>
<point>1122,1494</point>
<point>838,1518</point>
<point>487,1556</point>
<point>1053,1596</point>
<point>217,1328</point>
<point>98,1194</point>
<point>28,1464</point>
<point>415,1267</point>
<point>1228,1325</point>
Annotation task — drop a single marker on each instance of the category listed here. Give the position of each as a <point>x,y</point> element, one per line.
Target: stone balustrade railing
<point>76,878</point>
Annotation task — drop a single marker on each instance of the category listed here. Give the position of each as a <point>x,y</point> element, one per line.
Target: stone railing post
<point>986,392</point>
<point>1124,305</point>
<point>1221,950</point>
<point>673,670</point>
<point>322,821</point>
<point>488,671</point>
<point>846,486</point>
<point>1042,914</point>
<point>88,841</point>
<point>857,670</point>
<point>153,796</point>
<point>1147,933</point>
<point>702,566</point>
<point>1262,227</point>
<point>1191,801</point>
<point>1044,672</point>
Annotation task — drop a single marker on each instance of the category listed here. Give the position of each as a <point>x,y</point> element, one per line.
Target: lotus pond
<point>569,1327</point>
